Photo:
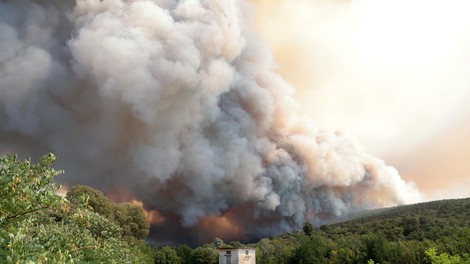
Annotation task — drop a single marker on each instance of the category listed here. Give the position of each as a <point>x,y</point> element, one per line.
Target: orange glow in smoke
<point>153,216</point>
<point>221,226</point>
<point>122,196</point>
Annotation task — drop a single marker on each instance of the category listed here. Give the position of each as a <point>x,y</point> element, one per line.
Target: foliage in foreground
<point>130,218</point>
<point>38,226</point>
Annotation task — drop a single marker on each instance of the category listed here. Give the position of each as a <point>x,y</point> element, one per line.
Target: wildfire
<point>120,195</point>
<point>221,226</point>
<point>153,216</point>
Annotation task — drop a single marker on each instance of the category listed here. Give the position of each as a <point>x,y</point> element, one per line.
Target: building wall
<point>237,256</point>
<point>244,258</point>
<point>223,253</point>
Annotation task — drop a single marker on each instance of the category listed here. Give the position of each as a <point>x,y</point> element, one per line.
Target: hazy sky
<point>396,74</point>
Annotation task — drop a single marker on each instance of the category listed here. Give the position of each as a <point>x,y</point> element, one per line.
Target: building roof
<point>228,248</point>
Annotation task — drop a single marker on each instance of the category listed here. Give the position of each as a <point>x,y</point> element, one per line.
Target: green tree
<point>131,218</point>
<point>443,258</point>
<point>26,189</point>
<point>308,228</point>
<point>39,226</point>
<point>204,255</point>
<point>167,255</point>
<point>410,225</point>
<point>266,252</point>
<point>312,249</point>
<point>235,244</point>
<point>184,252</point>
<point>218,242</point>
<point>94,199</point>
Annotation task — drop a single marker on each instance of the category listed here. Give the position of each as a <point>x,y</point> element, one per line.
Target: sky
<point>395,74</point>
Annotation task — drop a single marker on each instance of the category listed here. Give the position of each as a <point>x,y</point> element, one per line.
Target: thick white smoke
<point>176,103</point>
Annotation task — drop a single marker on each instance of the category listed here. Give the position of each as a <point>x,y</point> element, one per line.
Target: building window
<point>228,252</point>
<point>247,252</point>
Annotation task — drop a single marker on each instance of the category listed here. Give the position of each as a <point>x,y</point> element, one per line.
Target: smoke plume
<point>176,104</point>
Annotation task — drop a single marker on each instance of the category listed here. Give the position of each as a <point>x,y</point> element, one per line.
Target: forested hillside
<point>431,220</point>
<point>433,232</point>
<point>405,234</point>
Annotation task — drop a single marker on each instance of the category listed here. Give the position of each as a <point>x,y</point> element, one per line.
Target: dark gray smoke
<point>176,104</point>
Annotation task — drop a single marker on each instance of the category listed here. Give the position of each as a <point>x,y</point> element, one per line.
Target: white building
<point>237,256</point>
